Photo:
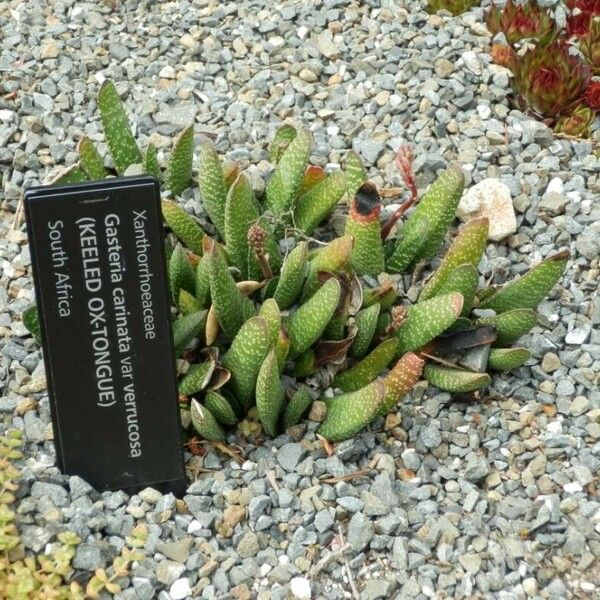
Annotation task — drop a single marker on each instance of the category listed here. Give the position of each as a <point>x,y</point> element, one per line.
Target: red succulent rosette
<point>522,21</point>
<point>582,12</point>
<point>550,80</point>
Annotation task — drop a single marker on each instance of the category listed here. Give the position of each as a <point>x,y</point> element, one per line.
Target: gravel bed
<point>495,499</point>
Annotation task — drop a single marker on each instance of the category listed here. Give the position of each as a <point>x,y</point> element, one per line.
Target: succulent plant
<point>522,21</point>
<point>266,319</point>
<point>590,45</point>
<point>581,14</point>
<point>578,123</point>
<point>455,7</point>
<point>550,81</point>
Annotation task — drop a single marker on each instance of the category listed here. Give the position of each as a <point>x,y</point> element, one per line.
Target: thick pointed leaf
<point>293,274</point>
<point>455,380</point>
<point>220,408</point>
<point>183,225</point>
<point>282,188</point>
<point>282,139</point>
<point>71,174</point>
<point>505,359</point>
<point>332,258</point>
<point>297,406</point>
<point>185,329</point>
<point>349,413</point>
<point>305,326</point>
<point>269,394</point>
<point>363,225</point>
<point>438,206</point>
<point>150,162</point>
<point>197,378</point>
<point>530,289</point>
<point>203,283</point>
<point>205,423</point>
<point>466,249</point>
<point>363,372</point>
<point>366,324</point>
<point>510,325</point>
<point>464,279</point>
<point>179,169</point>
<point>241,211</point>
<point>121,143</point>
<point>356,174</point>
<point>188,303</point>
<point>400,380</point>
<point>407,247</point>
<point>212,186</point>
<point>90,160</point>
<point>385,295</point>
<point>227,301</point>
<point>425,320</point>
<point>313,175</point>
<point>319,201</point>
<point>244,358</point>
<point>181,273</point>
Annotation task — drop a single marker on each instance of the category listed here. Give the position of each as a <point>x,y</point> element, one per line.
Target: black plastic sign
<point>97,251</point>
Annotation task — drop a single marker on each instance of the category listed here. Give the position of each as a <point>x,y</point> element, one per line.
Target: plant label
<point>97,251</point>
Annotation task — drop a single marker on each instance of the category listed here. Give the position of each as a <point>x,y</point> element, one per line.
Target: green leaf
<point>241,211</point>
<point>363,225</point>
<point>286,179</point>
<point>368,368</point>
<point>349,413</point>
<point>293,274</point>
<point>150,163</point>
<point>400,380</point>
<point>366,323</point>
<point>179,169</point>
<point>197,378</point>
<point>530,289</point>
<point>455,380</point>
<point>505,359</point>
<point>438,206</point>
<point>282,139</point>
<point>466,249</point>
<point>332,258</point>
<point>203,282</point>
<point>205,423</point>
<point>212,186</point>
<point>226,299</point>
<point>220,408</point>
<point>72,174</point>
<point>510,325</point>
<point>245,357</point>
<point>32,323</point>
<point>181,273</point>
<point>297,406</point>
<point>183,225</point>
<point>408,246</point>
<point>464,279</point>
<point>356,174</point>
<point>90,160</point>
<point>188,303</point>
<point>305,326</point>
<point>319,201</point>
<point>269,394</point>
<point>426,320</point>
<point>121,143</point>
<point>186,328</point>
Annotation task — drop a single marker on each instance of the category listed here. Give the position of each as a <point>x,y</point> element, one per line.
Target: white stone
<point>556,185</point>
<point>490,198</point>
<point>180,589</point>
<point>167,72</point>
<point>300,588</point>
<point>572,488</point>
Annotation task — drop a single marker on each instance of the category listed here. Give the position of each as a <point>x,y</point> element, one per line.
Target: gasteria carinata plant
<point>268,318</point>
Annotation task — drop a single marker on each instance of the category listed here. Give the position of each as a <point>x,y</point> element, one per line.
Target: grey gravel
<point>493,499</point>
